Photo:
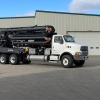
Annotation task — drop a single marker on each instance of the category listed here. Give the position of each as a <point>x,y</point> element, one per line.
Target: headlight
<point>78,53</point>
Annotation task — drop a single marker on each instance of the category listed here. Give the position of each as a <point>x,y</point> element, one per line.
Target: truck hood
<point>75,46</point>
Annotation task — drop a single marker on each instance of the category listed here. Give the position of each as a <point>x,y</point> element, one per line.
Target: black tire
<point>4,59</point>
<point>14,59</point>
<point>68,61</point>
<point>79,63</point>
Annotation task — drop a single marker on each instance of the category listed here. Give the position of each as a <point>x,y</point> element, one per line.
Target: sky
<point>17,8</point>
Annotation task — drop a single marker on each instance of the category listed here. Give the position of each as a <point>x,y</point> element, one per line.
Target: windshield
<point>68,39</point>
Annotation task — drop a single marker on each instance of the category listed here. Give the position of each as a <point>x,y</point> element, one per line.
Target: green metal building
<point>85,28</point>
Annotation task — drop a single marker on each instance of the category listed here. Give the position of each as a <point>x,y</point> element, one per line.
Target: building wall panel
<point>17,22</point>
<point>68,22</point>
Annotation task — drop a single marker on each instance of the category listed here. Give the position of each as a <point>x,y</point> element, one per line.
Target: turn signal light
<point>77,53</point>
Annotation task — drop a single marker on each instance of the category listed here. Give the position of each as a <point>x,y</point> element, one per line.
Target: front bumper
<point>81,57</point>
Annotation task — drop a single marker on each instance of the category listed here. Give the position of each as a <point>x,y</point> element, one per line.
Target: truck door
<point>57,46</point>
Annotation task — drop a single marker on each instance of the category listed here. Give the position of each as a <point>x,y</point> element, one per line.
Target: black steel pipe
<point>34,34</point>
<point>40,42</point>
<point>31,34</point>
<point>26,38</point>
<point>37,28</point>
<point>28,27</point>
<point>23,29</point>
<point>27,35</point>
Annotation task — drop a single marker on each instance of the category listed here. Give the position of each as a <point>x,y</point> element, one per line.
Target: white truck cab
<point>69,51</point>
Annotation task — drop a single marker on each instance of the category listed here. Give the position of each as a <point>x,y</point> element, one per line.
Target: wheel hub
<point>65,61</point>
<point>12,59</point>
<point>2,59</point>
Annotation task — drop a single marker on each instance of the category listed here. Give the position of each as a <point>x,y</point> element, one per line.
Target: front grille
<point>84,50</point>
<point>85,53</point>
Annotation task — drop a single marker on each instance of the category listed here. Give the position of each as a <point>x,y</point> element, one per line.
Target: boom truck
<point>40,43</point>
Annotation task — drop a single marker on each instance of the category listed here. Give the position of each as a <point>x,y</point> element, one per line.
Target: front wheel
<point>79,63</point>
<point>67,61</point>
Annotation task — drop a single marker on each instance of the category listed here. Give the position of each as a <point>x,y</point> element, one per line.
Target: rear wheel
<point>79,63</point>
<point>67,61</point>
<point>14,59</point>
<point>4,59</point>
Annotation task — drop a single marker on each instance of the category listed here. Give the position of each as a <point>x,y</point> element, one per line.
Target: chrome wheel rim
<point>12,59</point>
<point>65,61</point>
<point>2,59</point>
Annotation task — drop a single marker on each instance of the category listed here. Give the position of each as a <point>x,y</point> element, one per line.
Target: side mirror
<point>61,41</point>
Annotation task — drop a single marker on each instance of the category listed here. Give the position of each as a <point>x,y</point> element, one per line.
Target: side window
<point>57,39</point>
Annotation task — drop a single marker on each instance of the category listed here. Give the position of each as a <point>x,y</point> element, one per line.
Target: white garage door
<point>92,39</point>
